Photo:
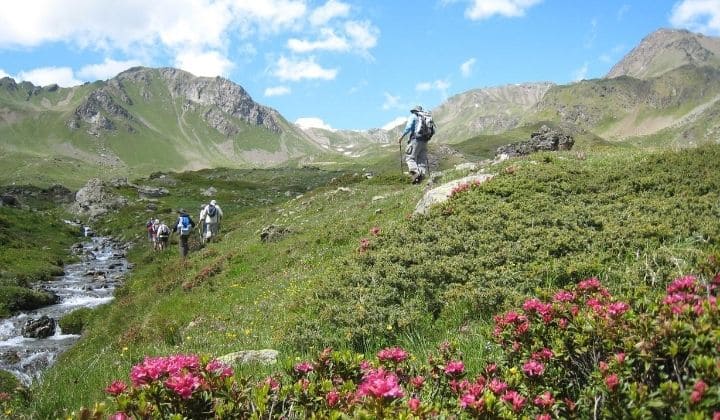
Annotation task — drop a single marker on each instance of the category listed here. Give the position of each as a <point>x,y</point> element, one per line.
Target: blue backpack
<point>185,225</point>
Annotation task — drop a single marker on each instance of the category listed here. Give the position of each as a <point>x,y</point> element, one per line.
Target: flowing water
<point>87,284</point>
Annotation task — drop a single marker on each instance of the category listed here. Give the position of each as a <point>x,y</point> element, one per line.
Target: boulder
<point>209,192</point>
<point>152,192</point>
<point>444,192</point>
<point>43,327</point>
<point>273,233</point>
<point>545,139</point>
<point>96,199</point>
<point>264,357</point>
<point>9,200</point>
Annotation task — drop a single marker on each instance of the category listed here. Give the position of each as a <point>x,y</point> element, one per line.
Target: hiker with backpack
<point>421,128</point>
<point>211,216</point>
<point>183,226</point>
<point>163,235</point>
<point>153,233</point>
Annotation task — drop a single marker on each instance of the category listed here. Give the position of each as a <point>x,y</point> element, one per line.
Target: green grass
<point>635,219</point>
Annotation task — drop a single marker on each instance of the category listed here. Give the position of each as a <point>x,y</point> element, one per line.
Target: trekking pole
<point>401,157</point>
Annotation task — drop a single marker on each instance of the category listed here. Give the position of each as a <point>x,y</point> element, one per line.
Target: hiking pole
<point>401,156</point>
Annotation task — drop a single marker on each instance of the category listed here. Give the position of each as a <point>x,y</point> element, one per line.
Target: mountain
<point>141,121</point>
<point>665,50</point>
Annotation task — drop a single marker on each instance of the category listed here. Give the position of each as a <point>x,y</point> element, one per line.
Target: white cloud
<point>3,74</point>
<point>44,76</point>
<point>204,63</point>
<point>356,36</point>
<point>483,9</point>
<point>391,102</point>
<point>277,91</point>
<point>312,122</point>
<point>466,68</point>
<point>697,15</point>
<point>329,11</point>
<point>295,70</point>
<point>137,26</point>
<point>581,73</point>
<point>622,11</point>
<point>106,70</point>
<point>394,123</point>
<point>439,85</point>
<point>330,42</point>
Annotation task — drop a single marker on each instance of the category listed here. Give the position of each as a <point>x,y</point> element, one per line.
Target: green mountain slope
<point>141,121</point>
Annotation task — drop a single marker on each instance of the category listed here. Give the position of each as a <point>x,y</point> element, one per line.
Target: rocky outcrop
<point>57,193</point>
<point>152,192</point>
<point>444,192</point>
<point>545,139</point>
<point>273,233</point>
<point>42,327</point>
<point>9,200</point>
<point>96,199</point>
<point>264,357</point>
<point>97,110</point>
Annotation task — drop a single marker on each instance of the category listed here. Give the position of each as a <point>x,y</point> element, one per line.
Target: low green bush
<point>75,321</point>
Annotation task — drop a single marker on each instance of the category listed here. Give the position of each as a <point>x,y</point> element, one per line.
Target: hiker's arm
<point>409,126</point>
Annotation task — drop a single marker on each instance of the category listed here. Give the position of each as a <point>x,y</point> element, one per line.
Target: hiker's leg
<point>183,245</point>
<point>422,158</point>
<point>411,152</point>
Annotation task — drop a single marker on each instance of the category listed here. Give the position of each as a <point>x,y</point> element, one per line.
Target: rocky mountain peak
<point>665,50</point>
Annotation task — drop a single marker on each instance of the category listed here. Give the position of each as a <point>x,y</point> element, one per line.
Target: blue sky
<point>342,64</point>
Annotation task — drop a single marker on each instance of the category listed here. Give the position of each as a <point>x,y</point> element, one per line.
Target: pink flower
<point>332,398</point>
<point>563,296</point>
<point>603,366</point>
<point>491,368</point>
<point>119,415</point>
<point>563,323</point>
<point>543,416</point>
<point>116,388</point>
<point>686,284</point>
<point>618,308</point>
<point>544,400</point>
<point>612,382</point>
<point>515,399</point>
<point>272,383</point>
<point>393,354</point>
<point>591,284</point>
<point>468,400</point>
<point>414,404</point>
<point>533,368</point>
<point>219,368</point>
<point>455,368</point>
<point>380,384</point>
<point>698,391</point>
<point>365,366</point>
<point>544,354</point>
<point>303,367</point>
<point>183,384</point>
<point>417,382</point>
<point>620,357</point>
<point>716,415</point>
<point>375,231</point>
<point>497,386</point>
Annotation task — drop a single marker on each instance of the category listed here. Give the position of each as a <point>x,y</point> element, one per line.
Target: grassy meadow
<point>357,271</point>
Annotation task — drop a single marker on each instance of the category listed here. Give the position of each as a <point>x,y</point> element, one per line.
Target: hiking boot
<point>417,178</point>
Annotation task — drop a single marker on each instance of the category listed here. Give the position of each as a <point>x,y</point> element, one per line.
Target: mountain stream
<point>86,284</point>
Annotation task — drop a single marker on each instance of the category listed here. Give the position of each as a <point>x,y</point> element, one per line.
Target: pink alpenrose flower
<point>116,388</point>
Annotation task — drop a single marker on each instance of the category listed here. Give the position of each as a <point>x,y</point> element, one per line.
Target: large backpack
<point>212,210</point>
<point>185,225</point>
<point>163,230</point>
<point>426,125</point>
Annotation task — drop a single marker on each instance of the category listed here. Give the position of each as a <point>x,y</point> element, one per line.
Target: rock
<point>151,207</point>
<point>545,139</point>
<point>96,199</point>
<point>443,192</point>
<point>265,357</point>
<point>209,192</point>
<point>154,192</point>
<point>43,327</point>
<point>468,166</point>
<point>273,233</point>
<point>9,200</point>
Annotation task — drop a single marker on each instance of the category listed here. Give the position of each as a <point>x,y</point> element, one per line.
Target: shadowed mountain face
<point>142,120</point>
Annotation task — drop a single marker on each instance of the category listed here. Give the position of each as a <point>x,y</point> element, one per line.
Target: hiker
<point>201,220</point>
<point>154,232</point>
<point>183,226</point>
<point>416,151</point>
<point>211,216</point>
<point>163,235</point>
<point>148,228</point>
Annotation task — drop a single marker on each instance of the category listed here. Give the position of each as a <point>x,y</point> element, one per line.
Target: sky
<point>338,64</point>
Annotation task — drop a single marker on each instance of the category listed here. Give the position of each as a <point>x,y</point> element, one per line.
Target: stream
<point>88,283</point>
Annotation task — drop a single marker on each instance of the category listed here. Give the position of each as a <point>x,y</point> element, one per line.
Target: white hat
<point>213,202</point>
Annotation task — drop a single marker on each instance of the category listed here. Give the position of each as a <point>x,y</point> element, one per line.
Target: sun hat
<point>213,202</point>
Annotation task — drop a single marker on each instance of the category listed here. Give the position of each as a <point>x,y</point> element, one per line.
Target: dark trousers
<point>184,245</point>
